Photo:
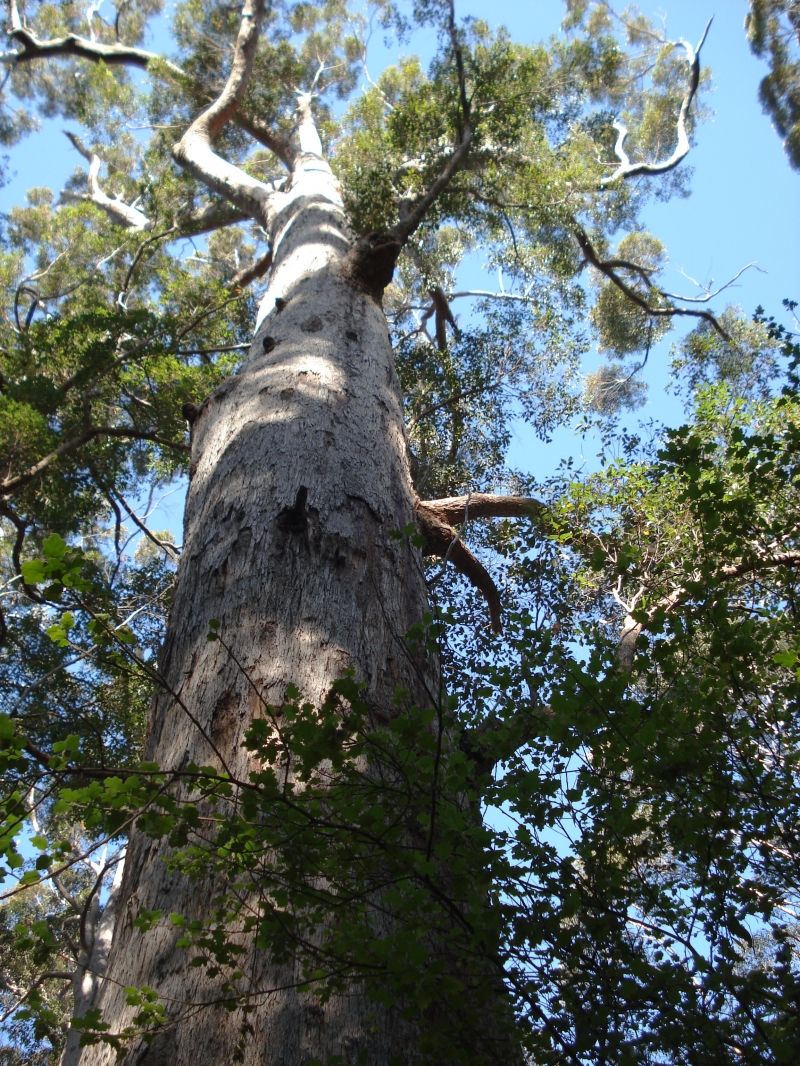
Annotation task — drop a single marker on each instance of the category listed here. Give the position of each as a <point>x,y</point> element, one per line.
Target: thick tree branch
<point>436,521</point>
<point>74,45</point>
<point>306,134</point>
<point>211,216</point>
<point>194,150</point>
<point>443,316</point>
<point>249,274</point>
<point>21,528</point>
<point>626,168</point>
<point>442,540</point>
<point>414,213</point>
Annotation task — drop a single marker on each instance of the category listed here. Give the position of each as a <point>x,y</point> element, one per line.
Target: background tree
<point>311,873</point>
<point>773,27</point>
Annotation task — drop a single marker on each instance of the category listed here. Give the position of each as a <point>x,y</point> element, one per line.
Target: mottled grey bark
<point>315,411</point>
<point>299,484</point>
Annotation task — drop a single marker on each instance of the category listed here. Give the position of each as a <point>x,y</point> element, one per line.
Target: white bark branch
<point>73,44</point>
<point>117,210</point>
<point>490,294</point>
<point>626,168</point>
<point>711,294</point>
<point>307,134</point>
<point>97,928</point>
<point>194,150</point>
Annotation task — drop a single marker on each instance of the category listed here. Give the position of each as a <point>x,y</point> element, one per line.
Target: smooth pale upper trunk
<point>316,406</point>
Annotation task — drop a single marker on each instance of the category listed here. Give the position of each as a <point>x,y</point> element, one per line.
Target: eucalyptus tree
<point>773,29</point>
<point>307,873</point>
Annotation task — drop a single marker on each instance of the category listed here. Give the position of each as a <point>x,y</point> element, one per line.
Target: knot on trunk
<point>370,263</point>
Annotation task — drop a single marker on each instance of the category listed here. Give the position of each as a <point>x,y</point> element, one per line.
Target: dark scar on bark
<point>294,519</point>
<point>370,263</point>
<point>268,343</point>
<point>190,412</point>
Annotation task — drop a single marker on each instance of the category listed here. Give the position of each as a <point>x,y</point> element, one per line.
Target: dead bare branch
<point>22,996</point>
<point>169,549</point>
<point>453,509</point>
<point>443,541</point>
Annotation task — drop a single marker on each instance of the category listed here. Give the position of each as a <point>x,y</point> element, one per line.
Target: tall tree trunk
<point>299,480</point>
